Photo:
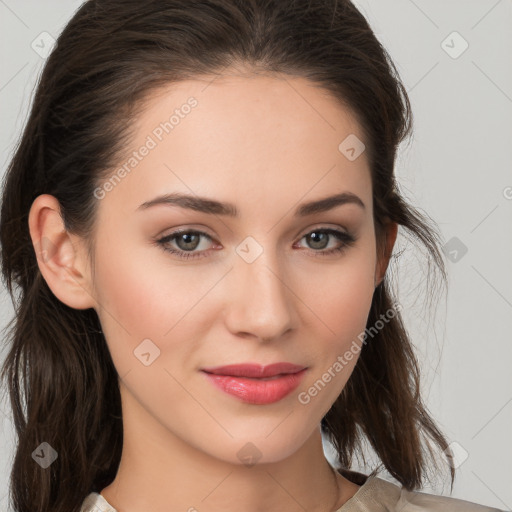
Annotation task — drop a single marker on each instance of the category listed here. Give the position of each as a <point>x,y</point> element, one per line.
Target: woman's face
<point>264,286</point>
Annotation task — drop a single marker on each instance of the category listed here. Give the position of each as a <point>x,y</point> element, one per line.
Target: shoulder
<point>95,502</point>
<point>380,495</point>
<point>416,501</point>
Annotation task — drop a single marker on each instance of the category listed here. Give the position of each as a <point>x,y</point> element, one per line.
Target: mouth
<point>256,388</point>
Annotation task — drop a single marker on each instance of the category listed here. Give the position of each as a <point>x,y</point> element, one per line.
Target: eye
<point>187,241</point>
<point>319,238</point>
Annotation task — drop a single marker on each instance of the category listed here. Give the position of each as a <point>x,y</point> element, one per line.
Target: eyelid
<point>186,228</point>
<point>323,225</point>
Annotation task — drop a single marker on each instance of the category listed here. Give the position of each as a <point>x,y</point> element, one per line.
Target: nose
<point>261,303</point>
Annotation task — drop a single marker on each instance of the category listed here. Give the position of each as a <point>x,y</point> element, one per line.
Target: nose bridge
<point>260,303</point>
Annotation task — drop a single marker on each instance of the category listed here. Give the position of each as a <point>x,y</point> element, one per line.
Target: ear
<point>61,256</point>
<point>385,250</point>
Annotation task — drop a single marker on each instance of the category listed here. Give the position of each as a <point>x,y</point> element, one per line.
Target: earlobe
<point>391,232</point>
<point>60,256</point>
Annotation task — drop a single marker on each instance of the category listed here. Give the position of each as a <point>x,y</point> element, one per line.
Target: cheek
<point>342,304</point>
<point>140,298</point>
<point>343,297</point>
<point>134,302</point>
<point>343,313</point>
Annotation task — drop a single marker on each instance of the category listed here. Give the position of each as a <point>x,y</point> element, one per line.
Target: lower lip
<point>257,391</point>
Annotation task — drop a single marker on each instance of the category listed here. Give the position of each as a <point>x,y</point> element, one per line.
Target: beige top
<point>374,495</point>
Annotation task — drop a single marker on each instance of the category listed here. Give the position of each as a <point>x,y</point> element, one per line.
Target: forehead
<point>248,137</point>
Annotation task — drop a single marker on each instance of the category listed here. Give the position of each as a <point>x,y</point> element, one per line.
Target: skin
<point>267,144</point>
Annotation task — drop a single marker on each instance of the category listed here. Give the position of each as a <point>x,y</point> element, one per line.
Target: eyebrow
<point>213,207</point>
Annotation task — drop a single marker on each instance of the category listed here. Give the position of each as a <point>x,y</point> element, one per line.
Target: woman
<point>200,216</point>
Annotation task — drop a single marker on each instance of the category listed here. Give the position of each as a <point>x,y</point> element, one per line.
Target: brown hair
<point>61,379</point>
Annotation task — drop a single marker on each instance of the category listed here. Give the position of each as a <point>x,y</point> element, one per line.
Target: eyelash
<point>347,239</point>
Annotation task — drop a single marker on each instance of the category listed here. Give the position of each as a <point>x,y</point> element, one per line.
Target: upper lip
<point>254,369</point>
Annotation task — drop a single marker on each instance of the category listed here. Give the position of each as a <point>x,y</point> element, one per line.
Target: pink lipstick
<point>255,383</point>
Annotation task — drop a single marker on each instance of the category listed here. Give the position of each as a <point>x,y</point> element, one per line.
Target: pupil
<point>316,235</point>
<point>187,237</point>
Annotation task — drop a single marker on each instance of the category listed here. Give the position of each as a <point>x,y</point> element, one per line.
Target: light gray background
<point>457,168</point>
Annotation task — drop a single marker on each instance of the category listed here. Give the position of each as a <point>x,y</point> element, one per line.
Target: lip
<point>254,370</point>
<point>256,384</point>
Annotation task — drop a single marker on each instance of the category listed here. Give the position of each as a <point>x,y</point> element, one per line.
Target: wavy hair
<point>61,380</point>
